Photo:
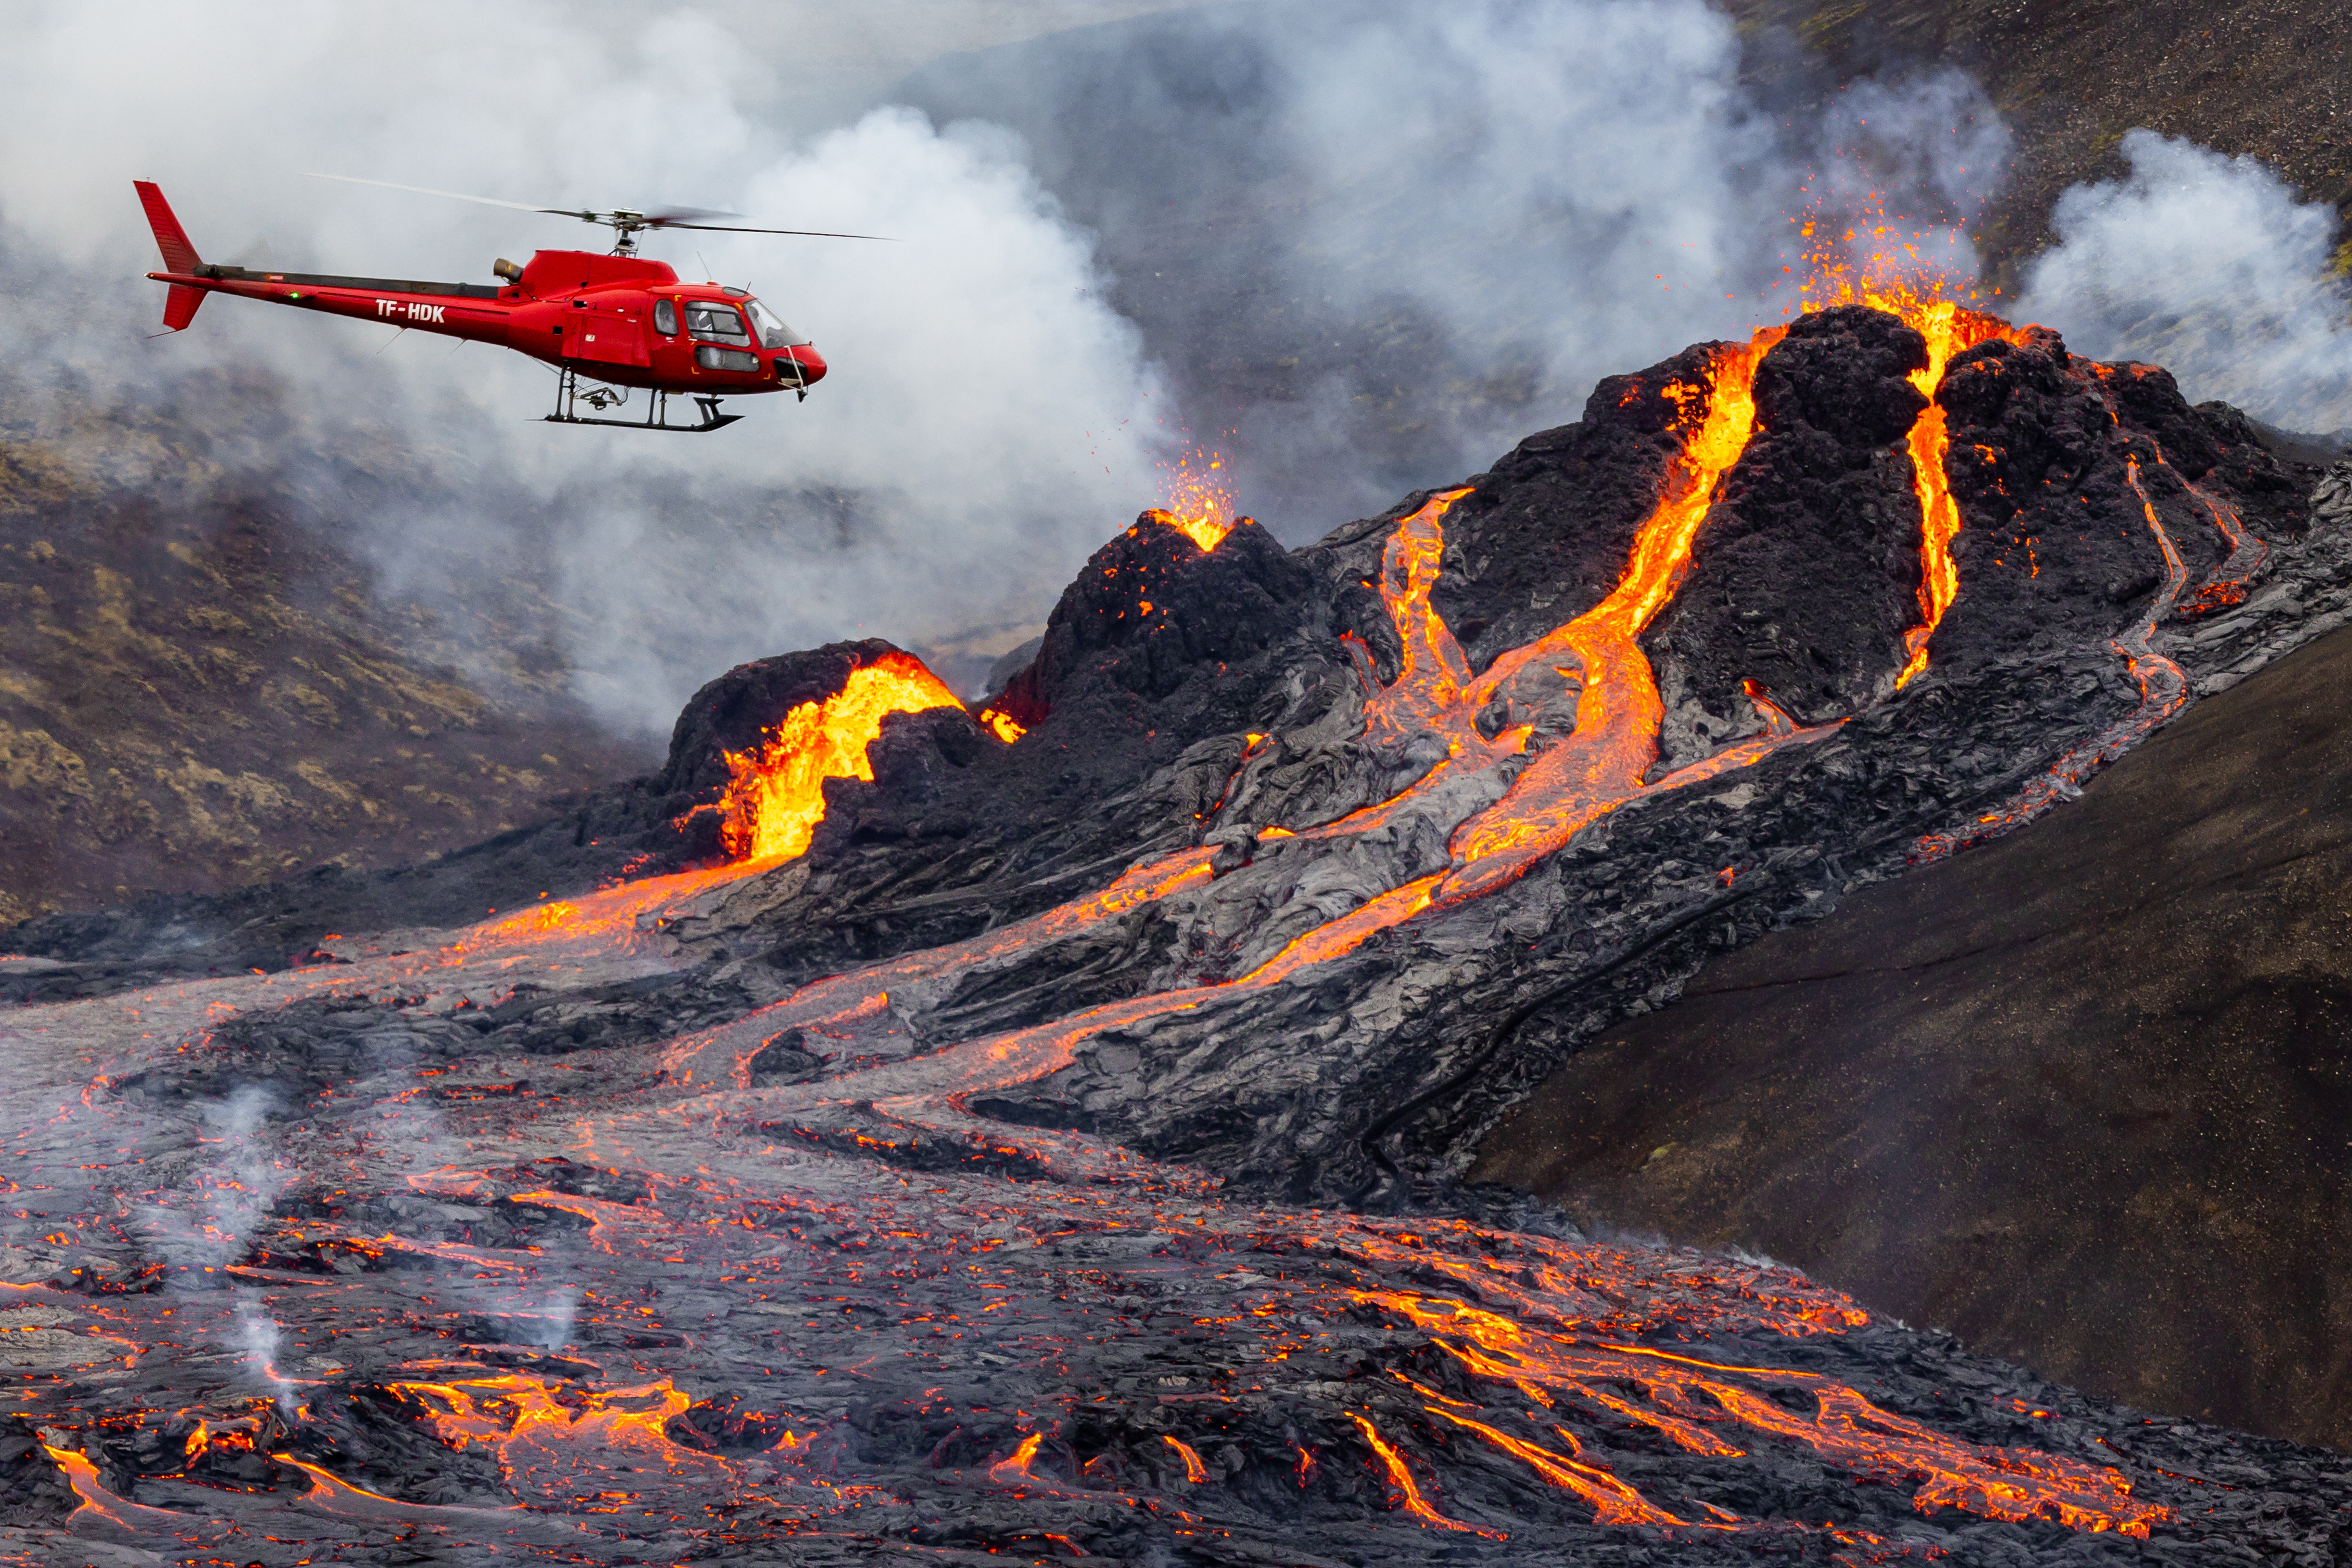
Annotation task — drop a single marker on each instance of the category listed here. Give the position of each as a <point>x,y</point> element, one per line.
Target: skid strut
<point>599,397</point>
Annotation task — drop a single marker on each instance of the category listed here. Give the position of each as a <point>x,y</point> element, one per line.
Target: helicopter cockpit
<point>719,321</point>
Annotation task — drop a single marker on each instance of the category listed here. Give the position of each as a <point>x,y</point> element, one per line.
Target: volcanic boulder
<point>33,1491</point>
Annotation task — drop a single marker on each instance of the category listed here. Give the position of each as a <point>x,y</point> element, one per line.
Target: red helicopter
<point>612,321</point>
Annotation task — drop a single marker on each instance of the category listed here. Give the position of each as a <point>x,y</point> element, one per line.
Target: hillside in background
<point>2079,1096</point>
<point>199,688</point>
<point>2269,79</point>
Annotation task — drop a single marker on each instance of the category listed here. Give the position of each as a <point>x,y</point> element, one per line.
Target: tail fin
<point>179,256</point>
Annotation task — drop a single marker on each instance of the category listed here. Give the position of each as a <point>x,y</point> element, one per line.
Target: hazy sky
<point>854,54</point>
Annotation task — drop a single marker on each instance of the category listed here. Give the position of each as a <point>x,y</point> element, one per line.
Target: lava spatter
<point>1196,499</point>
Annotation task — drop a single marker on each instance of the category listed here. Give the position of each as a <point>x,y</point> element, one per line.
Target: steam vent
<point>902,1131</point>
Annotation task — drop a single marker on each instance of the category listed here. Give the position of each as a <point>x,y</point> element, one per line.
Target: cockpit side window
<point>773,333</point>
<point>666,317</point>
<point>711,323</point>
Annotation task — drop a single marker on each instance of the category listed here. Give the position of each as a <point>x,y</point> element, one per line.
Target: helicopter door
<point>601,332</point>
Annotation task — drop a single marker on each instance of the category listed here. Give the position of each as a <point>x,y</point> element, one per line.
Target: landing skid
<point>568,396</point>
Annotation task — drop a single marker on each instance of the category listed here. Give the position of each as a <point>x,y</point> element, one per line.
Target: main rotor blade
<point>676,217</point>
<point>812,233</point>
<point>460,196</point>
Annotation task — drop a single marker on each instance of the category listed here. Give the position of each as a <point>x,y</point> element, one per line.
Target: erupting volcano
<point>910,1133</point>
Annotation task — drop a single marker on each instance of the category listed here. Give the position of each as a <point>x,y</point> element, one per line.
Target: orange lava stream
<point>1195,1471</point>
<point>1613,1502</point>
<point>2013,1484</point>
<point>1949,330</point>
<point>1014,1472</point>
<point>776,796</point>
<point>1434,675</point>
<point>97,1503</point>
<point>1401,1478</point>
<point>1617,720</point>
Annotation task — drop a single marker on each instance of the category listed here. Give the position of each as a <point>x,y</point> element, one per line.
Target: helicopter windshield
<point>773,333</point>
<point>712,323</point>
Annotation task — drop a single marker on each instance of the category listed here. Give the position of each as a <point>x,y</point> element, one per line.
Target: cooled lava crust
<point>1059,1157</point>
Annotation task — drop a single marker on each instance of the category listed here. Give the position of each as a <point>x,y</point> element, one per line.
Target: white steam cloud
<point>1590,179</point>
<point>257,1339</point>
<point>1434,228</point>
<point>2208,266</point>
<point>240,1178</point>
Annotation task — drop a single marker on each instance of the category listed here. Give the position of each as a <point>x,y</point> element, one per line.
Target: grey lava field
<point>1059,1152</point>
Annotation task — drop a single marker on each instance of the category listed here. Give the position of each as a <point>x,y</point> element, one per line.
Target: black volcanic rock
<point>1807,571</point>
<point>33,1491</point>
<point>1544,534</point>
<point>2044,451</point>
<point>2268,472</point>
<point>1152,608</point>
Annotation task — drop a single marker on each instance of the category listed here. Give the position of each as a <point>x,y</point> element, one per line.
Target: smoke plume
<point>2208,266</point>
<point>257,1339</point>
<point>240,1177</point>
<point>1377,243</point>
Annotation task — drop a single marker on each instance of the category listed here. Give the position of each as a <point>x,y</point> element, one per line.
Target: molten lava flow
<point>1849,1430</point>
<point>1894,277</point>
<point>1195,500</point>
<point>1000,725</point>
<point>1014,1472</point>
<point>776,796</point>
<point>1195,1471</point>
<point>1401,1478</point>
<point>1433,674</point>
<point>1613,1502</point>
<point>1949,330</point>
<point>1620,711</point>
